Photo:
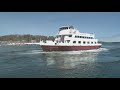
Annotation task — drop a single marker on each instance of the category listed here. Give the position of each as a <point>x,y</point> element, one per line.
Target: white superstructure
<point>70,36</point>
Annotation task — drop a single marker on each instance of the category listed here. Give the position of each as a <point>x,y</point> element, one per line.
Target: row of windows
<point>83,37</point>
<point>84,42</point>
<point>78,37</point>
<point>61,36</point>
<point>62,28</point>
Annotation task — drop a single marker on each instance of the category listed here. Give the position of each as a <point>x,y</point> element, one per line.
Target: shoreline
<point>18,44</point>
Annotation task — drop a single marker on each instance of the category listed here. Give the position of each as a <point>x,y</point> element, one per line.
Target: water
<point>31,62</point>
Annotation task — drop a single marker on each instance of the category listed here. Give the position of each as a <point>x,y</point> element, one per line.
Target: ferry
<point>69,38</point>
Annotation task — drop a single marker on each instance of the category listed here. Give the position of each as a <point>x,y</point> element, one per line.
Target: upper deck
<point>70,30</point>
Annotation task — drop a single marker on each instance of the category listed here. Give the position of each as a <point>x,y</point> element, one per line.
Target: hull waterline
<point>67,48</point>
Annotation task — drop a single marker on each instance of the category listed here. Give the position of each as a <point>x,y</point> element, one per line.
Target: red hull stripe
<point>68,48</point>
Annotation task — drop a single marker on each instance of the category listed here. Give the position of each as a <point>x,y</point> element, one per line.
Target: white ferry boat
<point>69,38</point>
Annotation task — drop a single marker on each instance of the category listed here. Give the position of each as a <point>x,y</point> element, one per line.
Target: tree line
<point>26,38</point>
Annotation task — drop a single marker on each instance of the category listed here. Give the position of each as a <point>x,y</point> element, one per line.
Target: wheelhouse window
<point>66,27</point>
<point>63,28</point>
<point>71,27</point>
<point>74,41</point>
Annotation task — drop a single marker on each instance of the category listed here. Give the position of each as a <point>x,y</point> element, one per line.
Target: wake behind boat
<point>69,38</point>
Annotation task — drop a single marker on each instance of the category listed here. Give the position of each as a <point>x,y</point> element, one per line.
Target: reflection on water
<point>69,61</point>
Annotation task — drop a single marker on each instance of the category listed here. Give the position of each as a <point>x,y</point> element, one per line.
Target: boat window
<point>79,41</point>
<point>63,28</point>
<point>80,36</point>
<point>76,36</point>
<point>44,41</point>
<point>95,42</point>
<point>66,27</point>
<point>88,42</point>
<point>70,35</point>
<point>83,42</point>
<point>74,41</point>
<point>91,42</point>
<point>68,41</point>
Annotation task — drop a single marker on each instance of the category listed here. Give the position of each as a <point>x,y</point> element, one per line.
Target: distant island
<point>108,42</point>
<point>21,39</point>
<point>28,38</point>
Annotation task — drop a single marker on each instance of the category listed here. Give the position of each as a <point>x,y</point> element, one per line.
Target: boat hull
<point>68,48</point>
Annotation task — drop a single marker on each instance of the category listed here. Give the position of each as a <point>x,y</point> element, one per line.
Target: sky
<point>104,25</point>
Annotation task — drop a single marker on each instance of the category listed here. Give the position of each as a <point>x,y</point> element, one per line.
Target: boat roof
<point>67,26</point>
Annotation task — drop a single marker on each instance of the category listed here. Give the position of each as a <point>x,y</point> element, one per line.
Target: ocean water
<point>31,62</point>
